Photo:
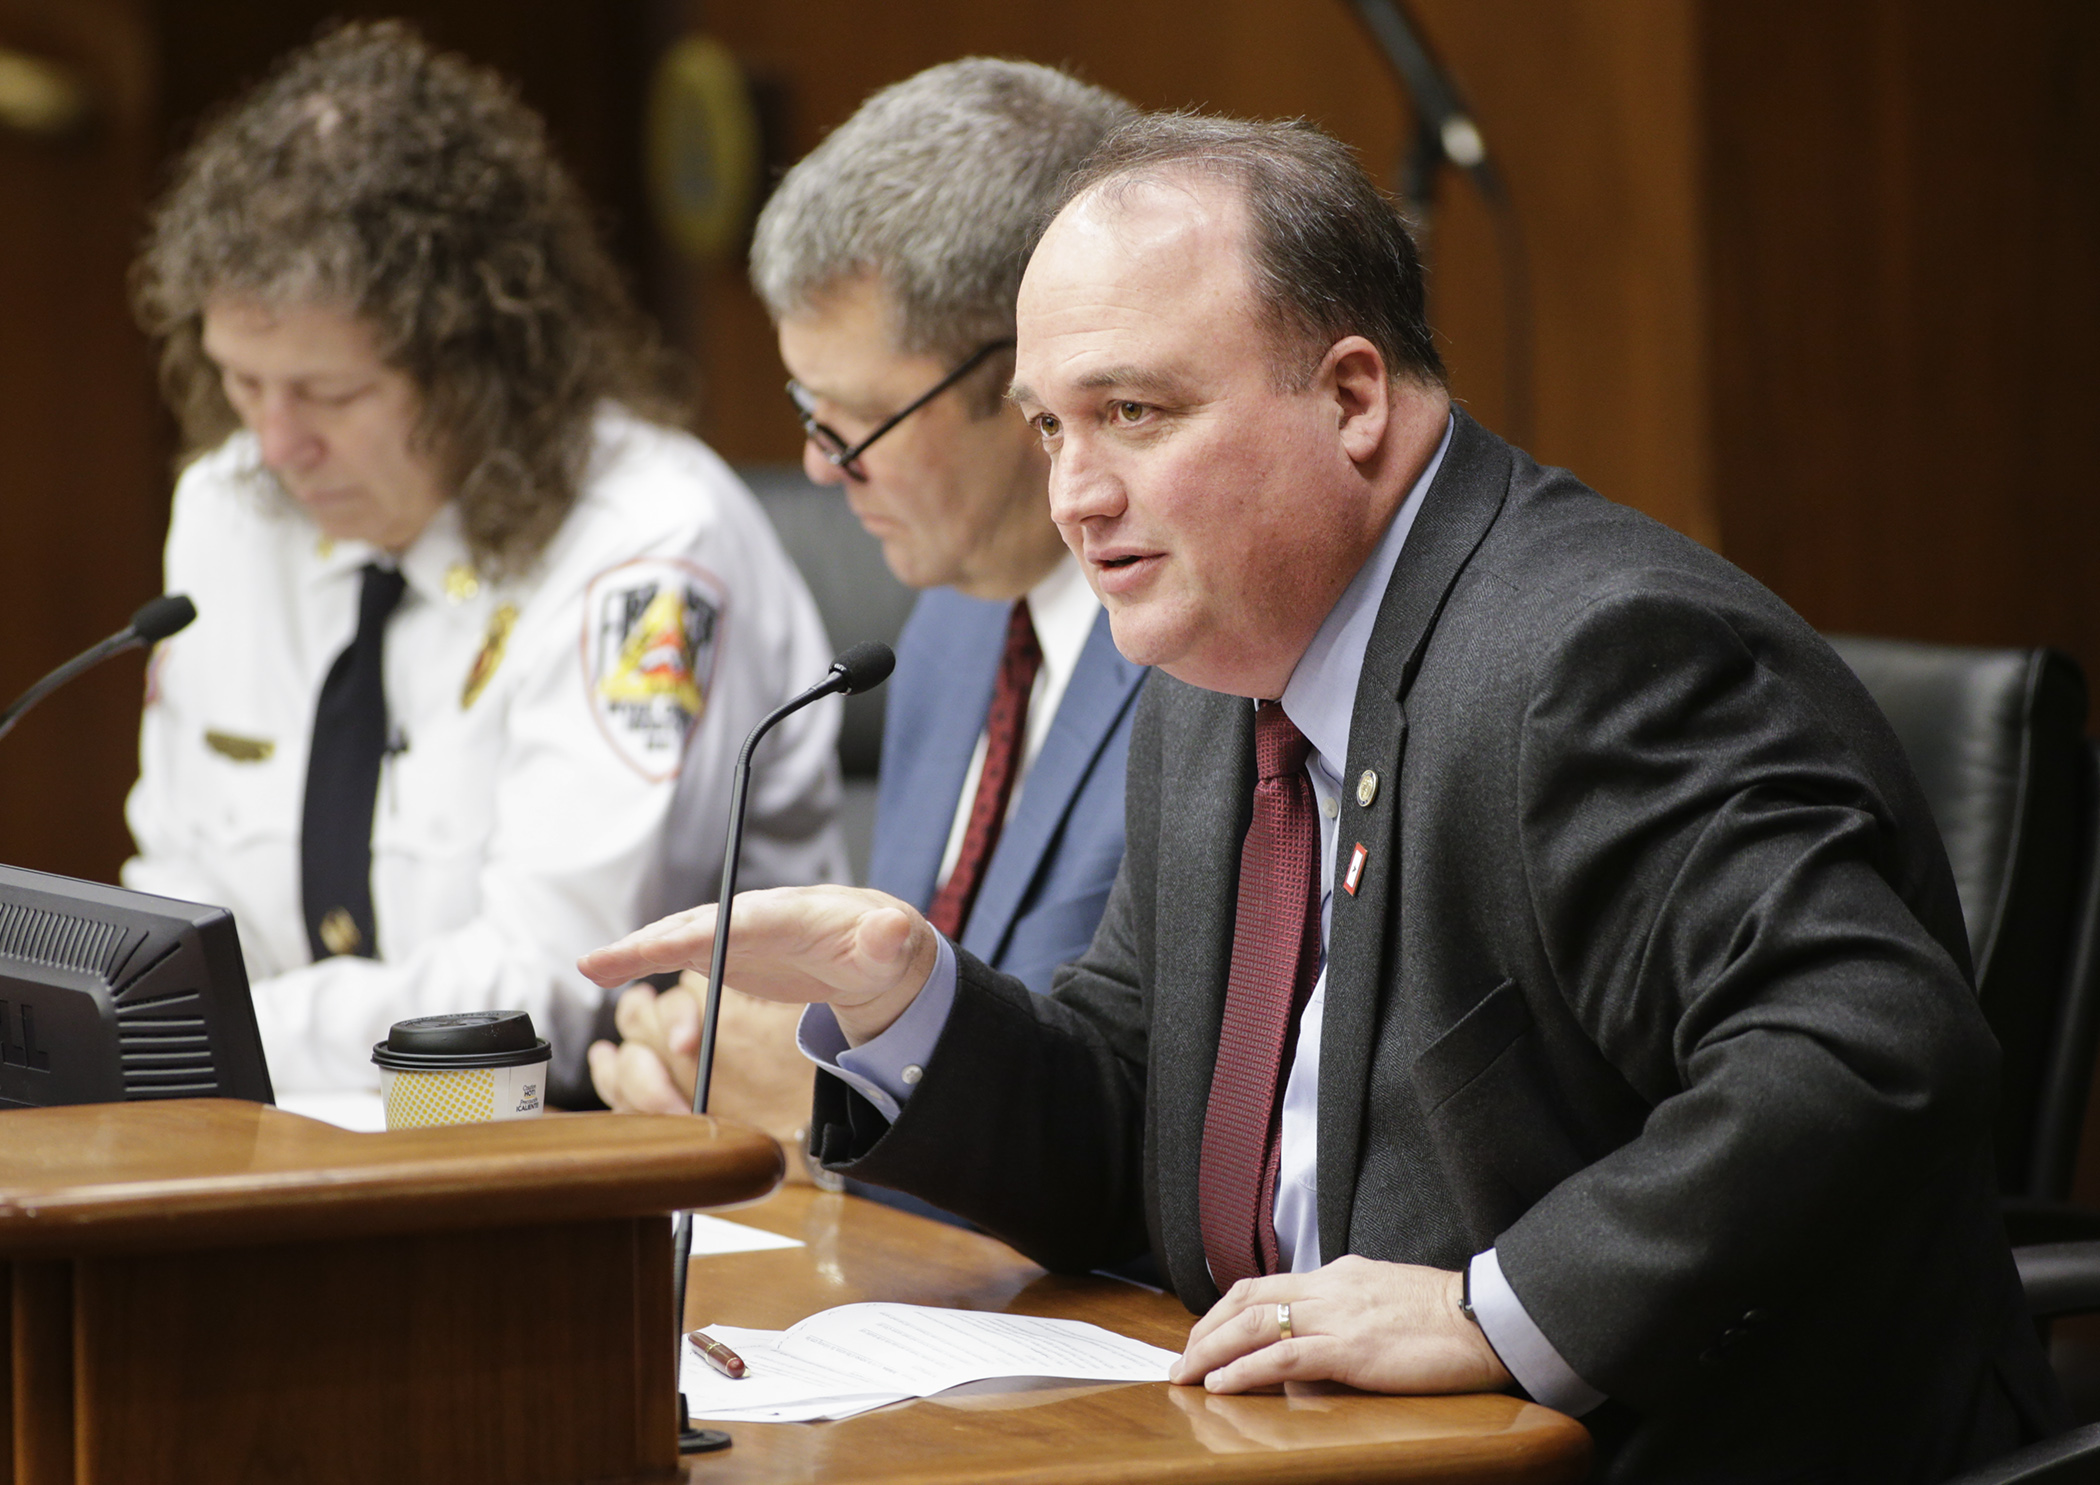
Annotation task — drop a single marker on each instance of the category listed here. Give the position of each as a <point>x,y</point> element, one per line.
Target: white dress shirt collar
<point>1320,696</point>
<point>1063,609</point>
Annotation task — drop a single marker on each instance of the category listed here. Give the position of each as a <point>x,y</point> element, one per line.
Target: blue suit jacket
<point>1049,876</point>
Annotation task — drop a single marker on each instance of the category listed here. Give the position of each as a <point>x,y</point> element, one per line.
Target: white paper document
<point>847,1360</point>
<point>714,1235</point>
<point>361,1110</point>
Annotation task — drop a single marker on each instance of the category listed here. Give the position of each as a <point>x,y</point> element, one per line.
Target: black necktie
<point>342,781</point>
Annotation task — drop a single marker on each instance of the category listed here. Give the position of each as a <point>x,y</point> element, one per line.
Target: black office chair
<point>1997,740</point>
<point>2071,1458</point>
<point>858,599</point>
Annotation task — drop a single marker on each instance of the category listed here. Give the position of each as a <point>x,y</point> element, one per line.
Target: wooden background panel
<point>1590,110</point>
<point>82,507</point>
<point>1812,281</point>
<point>1906,210</point>
<point>577,64</point>
<point>817,59</point>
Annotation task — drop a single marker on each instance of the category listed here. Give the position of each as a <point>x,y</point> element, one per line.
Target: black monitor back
<point>108,995</point>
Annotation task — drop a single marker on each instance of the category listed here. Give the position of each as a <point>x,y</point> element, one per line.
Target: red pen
<point>716,1355</point>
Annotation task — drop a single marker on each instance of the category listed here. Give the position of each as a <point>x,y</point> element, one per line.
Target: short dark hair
<point>413,189</point>
<point>1331,254</point>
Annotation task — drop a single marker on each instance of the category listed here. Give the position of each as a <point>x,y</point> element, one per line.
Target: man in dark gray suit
<point>1554,981</point>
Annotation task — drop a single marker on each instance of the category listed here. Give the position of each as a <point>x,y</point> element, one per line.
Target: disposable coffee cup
<point>475,1067</point>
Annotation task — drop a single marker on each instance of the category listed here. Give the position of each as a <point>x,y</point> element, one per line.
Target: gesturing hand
<point>1382,1327</point>
<point>864,953</point>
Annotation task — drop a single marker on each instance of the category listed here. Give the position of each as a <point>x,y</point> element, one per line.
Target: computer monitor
<point>109,996</point>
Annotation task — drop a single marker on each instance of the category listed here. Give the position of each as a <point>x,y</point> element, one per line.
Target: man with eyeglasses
<point>890,259</point>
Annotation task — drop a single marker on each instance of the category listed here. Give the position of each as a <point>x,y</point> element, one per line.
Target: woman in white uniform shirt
<point>396,346</point>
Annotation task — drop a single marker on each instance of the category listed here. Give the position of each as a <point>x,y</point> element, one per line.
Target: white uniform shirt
<point>541,725</point>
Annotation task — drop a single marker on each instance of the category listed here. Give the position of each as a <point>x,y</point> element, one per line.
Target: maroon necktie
<point>1005,737</point>
<point>1275,959</point>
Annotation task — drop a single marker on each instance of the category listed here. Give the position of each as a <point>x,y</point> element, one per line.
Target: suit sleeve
<point>1725,899</point>
<point>1029,1119</point>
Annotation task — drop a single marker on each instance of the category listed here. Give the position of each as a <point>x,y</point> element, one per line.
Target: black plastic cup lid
<point>467,1039</point>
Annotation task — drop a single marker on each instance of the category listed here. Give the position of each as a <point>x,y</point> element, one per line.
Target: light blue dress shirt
<point>1320,699</point>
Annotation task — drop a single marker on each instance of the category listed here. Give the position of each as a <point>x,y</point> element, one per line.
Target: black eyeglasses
<point>846,455</point>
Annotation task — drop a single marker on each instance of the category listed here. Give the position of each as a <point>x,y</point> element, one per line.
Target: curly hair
<point>415,190</point>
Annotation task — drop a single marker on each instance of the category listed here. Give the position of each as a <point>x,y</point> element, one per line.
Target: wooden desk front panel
<point>1086,1434</point>
<point>536,1354</point>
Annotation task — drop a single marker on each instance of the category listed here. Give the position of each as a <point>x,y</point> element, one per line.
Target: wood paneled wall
<point>1590,109</point>
<point>82,449</point>
<point>1814,282</point>
<point>1904,300</point>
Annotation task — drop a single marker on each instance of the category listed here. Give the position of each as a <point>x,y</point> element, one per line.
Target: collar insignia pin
<point>461,582</point>
<point>493,644</point>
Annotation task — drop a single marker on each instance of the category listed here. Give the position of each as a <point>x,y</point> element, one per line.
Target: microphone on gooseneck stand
<point>154,622</point>
<point>1446,133</point>
<point>862,668</point>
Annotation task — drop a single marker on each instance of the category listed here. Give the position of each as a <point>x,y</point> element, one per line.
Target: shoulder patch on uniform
<point>650,628</point>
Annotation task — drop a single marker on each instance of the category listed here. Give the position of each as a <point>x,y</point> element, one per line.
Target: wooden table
<point>1071,1434</point>
<point>207,1291</point>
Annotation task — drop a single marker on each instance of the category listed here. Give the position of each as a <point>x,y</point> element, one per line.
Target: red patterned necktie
<point>1005,738</point>
<point>1275,960</point>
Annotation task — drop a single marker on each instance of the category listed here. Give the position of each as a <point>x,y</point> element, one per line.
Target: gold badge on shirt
<point>461,583</point>
<point>239,749</point>
<point>492,646</point>
<point>339,932</point>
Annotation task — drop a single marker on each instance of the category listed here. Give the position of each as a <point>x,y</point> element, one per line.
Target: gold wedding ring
<point>1283,1322</point>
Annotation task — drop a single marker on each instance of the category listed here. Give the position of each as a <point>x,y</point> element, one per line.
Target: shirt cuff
<point>1523,1347</point>
<point>884,1069</point>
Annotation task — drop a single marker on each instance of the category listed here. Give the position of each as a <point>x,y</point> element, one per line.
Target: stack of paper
<point>856,1357</point>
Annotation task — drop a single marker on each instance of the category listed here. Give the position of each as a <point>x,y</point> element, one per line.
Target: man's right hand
<point>864,953</point>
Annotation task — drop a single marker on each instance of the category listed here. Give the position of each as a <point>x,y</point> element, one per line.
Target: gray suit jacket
<point>1655,981</point>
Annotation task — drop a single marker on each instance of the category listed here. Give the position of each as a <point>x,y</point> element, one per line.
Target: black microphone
<point>1445,130</point>
<point>862,668</point>
<point>154,622</point>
